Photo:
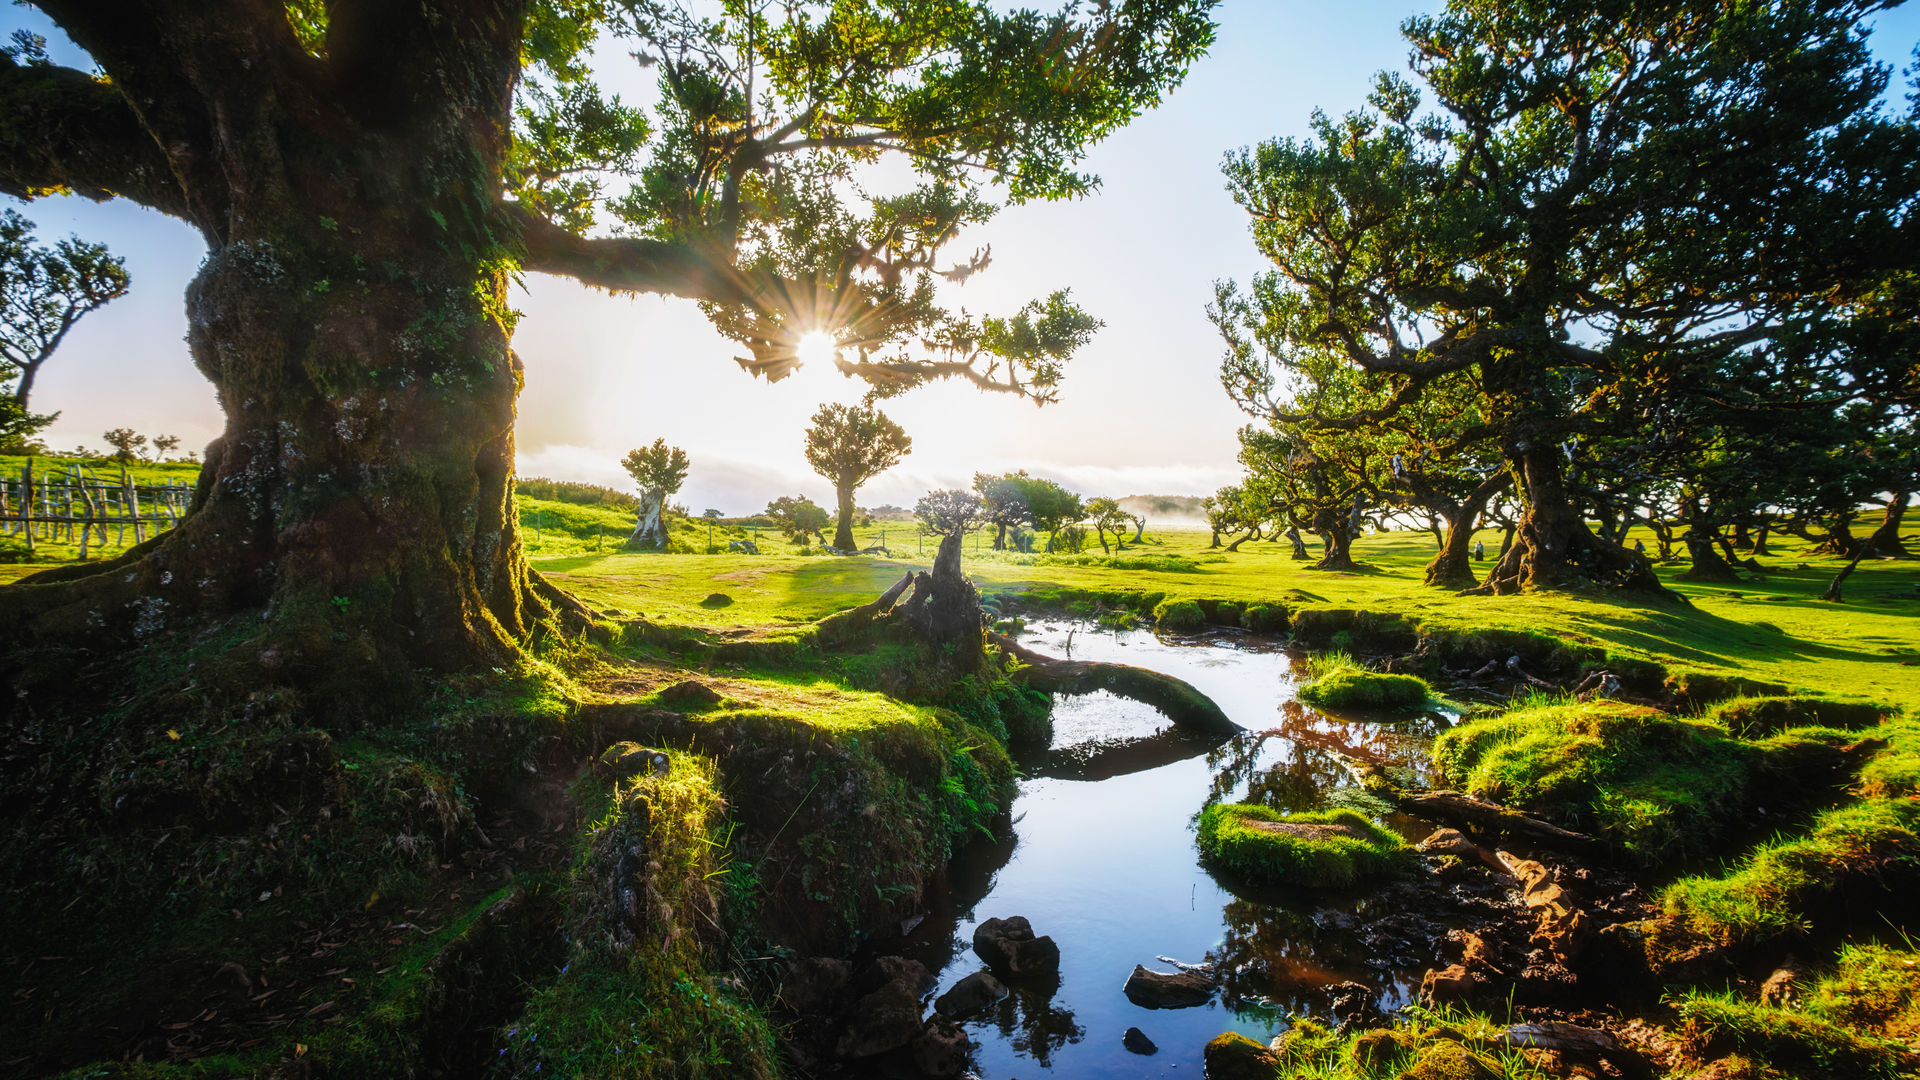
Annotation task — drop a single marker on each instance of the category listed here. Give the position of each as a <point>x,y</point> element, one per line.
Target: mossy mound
<point>1361,690</point>
<point>1179,616</point>
<point>1748,717</point>
<point>1264,618</point>
<point>1440,1043</point>
<point>1765,894</point>
<point>1664,787</point>
<point>1871,989</point>
<point>1329,848</point>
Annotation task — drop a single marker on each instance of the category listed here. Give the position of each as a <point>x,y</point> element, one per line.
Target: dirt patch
<point>1310,832</point>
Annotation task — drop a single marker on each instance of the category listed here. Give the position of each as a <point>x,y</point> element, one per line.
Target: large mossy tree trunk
<point>352,316</point>
<point>1552,547</point>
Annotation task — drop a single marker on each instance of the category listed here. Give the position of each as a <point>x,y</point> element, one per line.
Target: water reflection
<point>1105,863</point>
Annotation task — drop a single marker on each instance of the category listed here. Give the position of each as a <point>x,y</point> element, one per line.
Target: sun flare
<point>816,346</point>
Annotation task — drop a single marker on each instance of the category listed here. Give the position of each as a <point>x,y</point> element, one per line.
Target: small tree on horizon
<point>1105,516</point>
<point>126,444</point>
<point>658,471</point>
<point>849,445</point>
<point>799,517</point>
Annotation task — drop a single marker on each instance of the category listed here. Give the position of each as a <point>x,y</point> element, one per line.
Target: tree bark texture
<point>352,315</point>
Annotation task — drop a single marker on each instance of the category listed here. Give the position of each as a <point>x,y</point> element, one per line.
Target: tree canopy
<point>849,445</point>
<point>370,175</point>
<point>1609,197</point>
<point>44,291</point>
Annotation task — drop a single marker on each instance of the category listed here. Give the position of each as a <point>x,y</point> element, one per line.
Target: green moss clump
<point>1764,895</point>
<point>1664,787</point>
<point>1329,848</point>
<point>1264,618</point>
<point>1362,690</point>
<point>1179,616</point>
<point>1872,988</point>
<point>1753,716</point>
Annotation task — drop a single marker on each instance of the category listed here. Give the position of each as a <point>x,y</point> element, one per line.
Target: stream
<point>1102,859</point>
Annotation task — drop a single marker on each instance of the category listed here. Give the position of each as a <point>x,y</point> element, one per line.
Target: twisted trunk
<point>1453,568</point>
<point>1885,540</point>
<point>1552,547</point>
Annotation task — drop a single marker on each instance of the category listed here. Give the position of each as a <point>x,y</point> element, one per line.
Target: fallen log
<point>1182,704</point>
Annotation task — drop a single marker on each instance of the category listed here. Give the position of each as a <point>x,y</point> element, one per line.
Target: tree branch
<point>630,265</point>
<point>62,130</point>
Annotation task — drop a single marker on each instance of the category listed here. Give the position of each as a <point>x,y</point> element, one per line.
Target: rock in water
<point>1136,1041</point>
<point>942,1048</point>
<point>888,1017</point>
<point>1168,990</point>
<point>1009,946</point>
<point>970,995</point>
<point>1449,842</point>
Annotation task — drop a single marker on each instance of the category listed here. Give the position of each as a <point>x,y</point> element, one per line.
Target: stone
<point>1136,1042</point>
<point>1010,947</point>
<point>1168,990</point>
<point>1452,1061</point>
<point>690,694</point>
<point>941,1049</point>
<point>1373,1049</point>
<point>1449,984</point>
<point>1354,1006</point>
<point>888,1016</point>
<point>1235,1057</point>
<point>813,982</point>
<point>1449,842</point>
<point>1782,990</point>
<point>970,995</point>
<point>626,760</point>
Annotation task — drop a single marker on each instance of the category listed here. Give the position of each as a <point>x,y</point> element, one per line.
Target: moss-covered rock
<point>1366,690</point>
<point>1235,1057</point>
<point>1319,849</point>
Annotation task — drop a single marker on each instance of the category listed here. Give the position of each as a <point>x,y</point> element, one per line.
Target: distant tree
<point>658,471</point>
<point>712,516</point>
<point>850,445</point>
<point>950,513</point>
<point>799,517</point>
<point>164,445</point>
<point>126,445</point>
<point>1005,498</point>
<point>1105,516</point>
<point>43,293</point>
<point>1051,506</point>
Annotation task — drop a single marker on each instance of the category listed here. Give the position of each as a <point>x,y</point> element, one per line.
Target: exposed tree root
<point>1185,706</point>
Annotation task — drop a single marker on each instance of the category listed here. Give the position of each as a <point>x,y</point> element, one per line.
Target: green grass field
<point>1773,629</point>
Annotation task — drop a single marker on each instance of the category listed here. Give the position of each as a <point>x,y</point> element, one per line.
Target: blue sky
<point>1141,408</point>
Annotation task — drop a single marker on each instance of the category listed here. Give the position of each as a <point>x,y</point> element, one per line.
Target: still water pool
<point>1102,859</point>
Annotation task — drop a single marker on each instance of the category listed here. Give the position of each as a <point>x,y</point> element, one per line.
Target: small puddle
<point>1103,860</point>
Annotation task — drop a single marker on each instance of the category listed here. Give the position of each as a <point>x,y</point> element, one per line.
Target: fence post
<point>26,502</point>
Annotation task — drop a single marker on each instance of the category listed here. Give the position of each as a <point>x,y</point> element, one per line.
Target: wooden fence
<point>75,505</point>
